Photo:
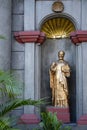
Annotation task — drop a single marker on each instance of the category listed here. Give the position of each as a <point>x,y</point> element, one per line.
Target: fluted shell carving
<point>60,27</point>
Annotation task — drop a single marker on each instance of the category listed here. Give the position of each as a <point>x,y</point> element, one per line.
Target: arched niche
<point>53,25</point>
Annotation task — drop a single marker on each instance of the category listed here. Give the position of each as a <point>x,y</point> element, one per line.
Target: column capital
<point>78,37</point>
<point>30,37</point>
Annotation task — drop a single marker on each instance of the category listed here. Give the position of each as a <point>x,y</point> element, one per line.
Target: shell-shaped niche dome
<point>59,27</point>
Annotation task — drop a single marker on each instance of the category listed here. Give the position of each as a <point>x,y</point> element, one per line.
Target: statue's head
<point>61,54</point>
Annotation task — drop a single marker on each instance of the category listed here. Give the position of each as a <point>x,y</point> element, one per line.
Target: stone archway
<point>58,25</point>
<point>49,52</point>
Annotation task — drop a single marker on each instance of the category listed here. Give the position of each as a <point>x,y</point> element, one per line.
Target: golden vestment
<point>58,72</point>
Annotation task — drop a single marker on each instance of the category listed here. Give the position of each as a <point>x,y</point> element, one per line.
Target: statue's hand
<point>53,64</point>
<point>66,92</point>
<point>67,74</point>
<point>53,67</point>
<point>66,69</point>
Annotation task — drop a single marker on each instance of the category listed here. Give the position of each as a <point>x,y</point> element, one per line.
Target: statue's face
<point>61,54</point>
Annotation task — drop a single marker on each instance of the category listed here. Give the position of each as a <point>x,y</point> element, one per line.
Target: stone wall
<point>5,30</point>
<point>20,64</point>
<point>17,58</point>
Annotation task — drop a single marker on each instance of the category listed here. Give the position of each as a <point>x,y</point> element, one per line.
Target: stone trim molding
<point>30,37</point>
<point>78,37</point>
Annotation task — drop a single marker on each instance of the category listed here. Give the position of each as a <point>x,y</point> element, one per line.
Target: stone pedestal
<point>82,120</point>
<point>63,114</point>
<point>29,119</point>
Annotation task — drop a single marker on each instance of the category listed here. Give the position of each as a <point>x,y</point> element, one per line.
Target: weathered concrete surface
<point>18,7</point>
<point>31,127</point>
<point>5,30</point>
<point>18,22</point>
<point>29,24</point>
<point>17,57</point>
<point>18,60</point>
<point>83,127</point>
<point>16,46</point>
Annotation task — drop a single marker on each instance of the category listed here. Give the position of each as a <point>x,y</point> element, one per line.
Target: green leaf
<point>5,124</point>
<point>9,91</point>
<point>2,37</point>
<point>50,122</point>
<point>7,107</point>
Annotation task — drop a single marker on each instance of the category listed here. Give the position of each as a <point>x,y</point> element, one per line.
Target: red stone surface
<point>27,37</point>
<point>27,40</point>
<point>81,32</point>
<point>65,118</point>
<point>63,114</point>
<point>29,119</point>
<point>75,40</point>
<point>30,37</point>
<point>59,110</point>
<point>78,37</point>
<point>83,39</point>
<point>82,120</point>
<point>27,33</point>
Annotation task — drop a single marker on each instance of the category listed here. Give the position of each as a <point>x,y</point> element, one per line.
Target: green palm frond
<point>2,37</point>
<point>8,84</point>
<point>50,122</point>
<point>9,90</point>
<point>7,107</point>
<point>5,124</point>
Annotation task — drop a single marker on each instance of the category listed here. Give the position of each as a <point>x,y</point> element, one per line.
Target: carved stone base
<point>29,119</point>
<point>82,120</point>
<point>63,114</point>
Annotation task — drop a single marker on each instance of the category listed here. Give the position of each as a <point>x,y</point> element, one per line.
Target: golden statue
<point>59,70</point>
